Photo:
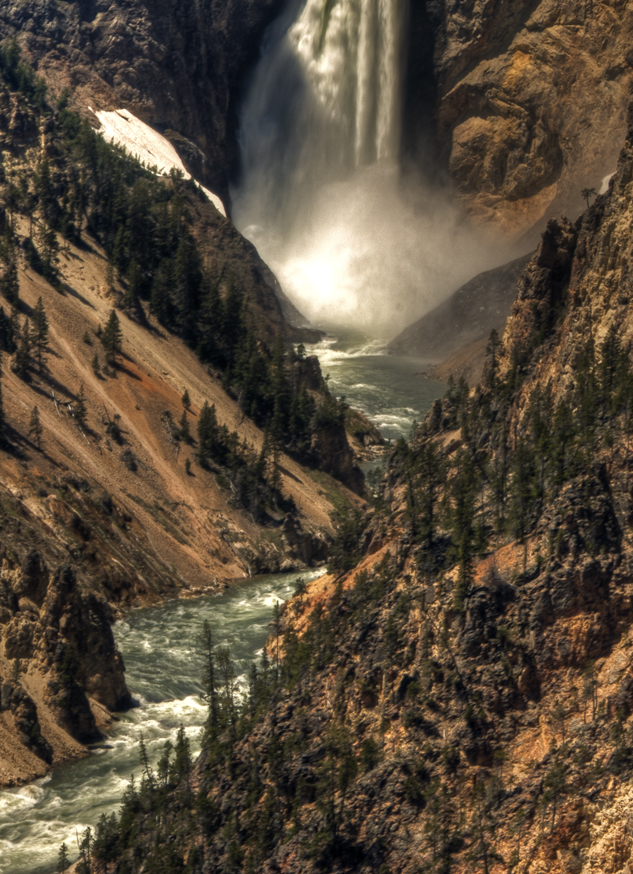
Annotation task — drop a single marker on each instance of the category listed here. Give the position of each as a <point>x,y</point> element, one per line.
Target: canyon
<point>454,695</point>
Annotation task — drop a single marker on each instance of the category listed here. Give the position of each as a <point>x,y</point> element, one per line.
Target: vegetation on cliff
<point>82,186</point>
<point>127,470</point>
<point>460,699</point>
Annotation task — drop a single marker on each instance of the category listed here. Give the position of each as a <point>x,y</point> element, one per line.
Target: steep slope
<point>178,66</point>
<point>466,318</point>
<point>456,696</point>
<point>130,469</point>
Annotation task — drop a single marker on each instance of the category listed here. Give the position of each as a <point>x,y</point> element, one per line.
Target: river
<point>160,646</point>
<point>393,391</point>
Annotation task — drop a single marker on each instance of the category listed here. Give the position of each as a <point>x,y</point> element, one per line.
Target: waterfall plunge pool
<point>161,649</point>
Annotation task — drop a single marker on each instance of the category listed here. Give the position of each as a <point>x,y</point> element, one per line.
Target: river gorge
<point>162,651</point>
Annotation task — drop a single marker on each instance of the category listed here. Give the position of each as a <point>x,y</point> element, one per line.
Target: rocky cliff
<point>107,500</point>
<point>523,102</point>
<point>520,104</point>
<point>179,66</point>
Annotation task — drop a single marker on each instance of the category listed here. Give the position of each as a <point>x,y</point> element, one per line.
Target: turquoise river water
<point>393,391</point>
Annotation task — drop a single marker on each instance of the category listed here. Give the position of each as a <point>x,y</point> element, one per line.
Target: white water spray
<point>321,195</point>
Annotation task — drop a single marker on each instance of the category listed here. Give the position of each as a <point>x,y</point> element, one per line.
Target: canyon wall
<point>179,66</point>
<point>523,104</point>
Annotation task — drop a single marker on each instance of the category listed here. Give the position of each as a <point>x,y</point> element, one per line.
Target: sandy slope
<point>169,533</point>
<point>155,370</point>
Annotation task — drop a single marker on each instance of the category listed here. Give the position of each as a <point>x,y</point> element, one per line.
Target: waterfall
<point>320,192</point>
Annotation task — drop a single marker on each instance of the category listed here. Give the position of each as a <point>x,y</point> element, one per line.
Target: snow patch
<point>605,183</point>
<point>146,144</point>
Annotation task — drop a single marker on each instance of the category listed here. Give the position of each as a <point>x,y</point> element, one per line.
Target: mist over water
<point>321,194</point>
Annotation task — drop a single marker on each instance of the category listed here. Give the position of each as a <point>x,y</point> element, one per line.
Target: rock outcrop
<point>525,101</point>
<point>55,636</point>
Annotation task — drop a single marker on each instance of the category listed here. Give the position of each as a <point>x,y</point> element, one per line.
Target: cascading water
<point>324,102</point>
<point>320,193</point>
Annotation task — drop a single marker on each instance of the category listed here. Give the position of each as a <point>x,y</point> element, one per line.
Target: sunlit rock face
<point>528,102</point>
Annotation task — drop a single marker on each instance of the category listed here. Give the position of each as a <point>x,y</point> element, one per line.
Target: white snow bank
<point>146,144</point>
<point>605,183</point>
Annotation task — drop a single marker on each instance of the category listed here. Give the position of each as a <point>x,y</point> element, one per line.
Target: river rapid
<point>393,391</point>
<point>161,649</point>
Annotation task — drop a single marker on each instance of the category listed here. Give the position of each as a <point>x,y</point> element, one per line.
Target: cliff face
<point>179,66</point>
<point>581,275</point>
<point>525,101</point>
<point>113,507</point>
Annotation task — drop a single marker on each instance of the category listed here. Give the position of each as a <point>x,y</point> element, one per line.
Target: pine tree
<point>7,332</point>
<point>160,303</point>
<point>184,431</point>
<point>23,357</point>
<point>186,400</point>
<point>119,254</point>
<point>96,367</point>
<point>493,350</point>
<point>85,851</point>
<point>40,331</point>
<point>181,767</point>
<point>62,860</point>
<point>35,427</point>
<point>45,191</point>
<point>131,298</point>
<point>207,433</point>
<point>210,322</point>
<point>112,338</point>
<point>187,283</point>
<point>9,282</point>
<point>209,680</point>
<point>147,770</point>
<point>50,253</point>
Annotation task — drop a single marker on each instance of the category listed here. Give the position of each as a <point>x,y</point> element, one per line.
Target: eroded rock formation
<point>526,101</point>
<point>179,66</point>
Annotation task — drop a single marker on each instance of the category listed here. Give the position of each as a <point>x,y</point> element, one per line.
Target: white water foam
<point>36,819</point>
